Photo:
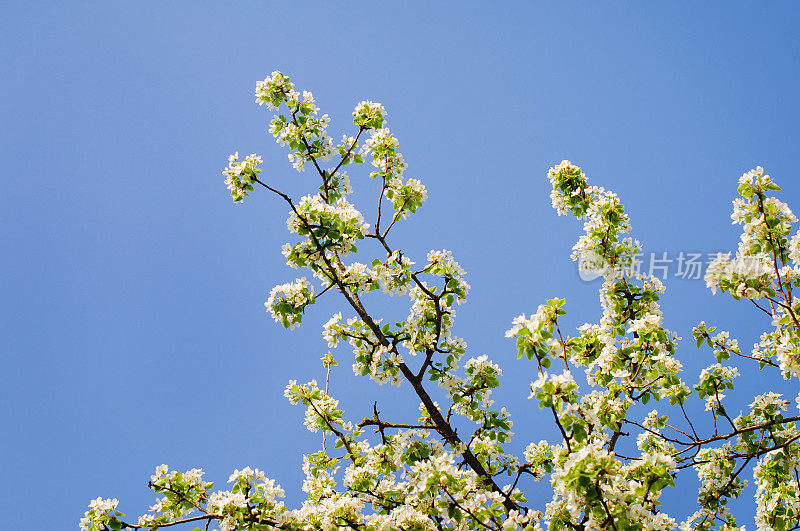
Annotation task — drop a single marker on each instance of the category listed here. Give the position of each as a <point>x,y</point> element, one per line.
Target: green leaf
<point>746,190</point>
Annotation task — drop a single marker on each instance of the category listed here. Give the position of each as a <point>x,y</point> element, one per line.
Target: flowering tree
<point>450,468</point>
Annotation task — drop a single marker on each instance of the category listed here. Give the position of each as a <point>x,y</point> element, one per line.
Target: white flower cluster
<point>559,390</point>
<point>221,500</point>
<point>757,173</point>
<point>101,511</point>
<point>482,363</point>
<point>240,176</point>
<point>600,250</point>
<point>536,335</point>
<point>432,313</point>
<point>589,484</point>
<point>287,302</point>
<point>783,344</point>
<point>369,115</point>
<point>715,469</point>
<point>406,197</point>
<point>715,379</point>
<point>382,144</point>
<point>760,215</point>
<point>647,322</point>
<point>746,276</point>
<point>794,248</point>
<point>442,264</point>
<point>540,457</point>
<point>357,276</point>
<point>570,188</point>
<point>472,392</point>
<point>766,260</point>
<point>724,343</point>
<point>322,412</point>
<point>777,495</point>
<point>394,273</point>
<point>335,227</point>
<point>380,362</point>
<point>766,406</point>
<point>274,90</point>
<point>303,131</point>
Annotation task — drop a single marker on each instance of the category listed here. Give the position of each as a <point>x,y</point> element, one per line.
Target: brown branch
<point>208,517</point>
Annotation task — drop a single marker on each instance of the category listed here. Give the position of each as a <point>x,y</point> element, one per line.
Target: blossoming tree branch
<point>448,468</point>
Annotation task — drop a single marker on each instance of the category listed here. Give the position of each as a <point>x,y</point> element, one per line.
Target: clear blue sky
<point>132,327</point>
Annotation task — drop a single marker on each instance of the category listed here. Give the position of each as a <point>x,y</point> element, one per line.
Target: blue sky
<point>132,324</point>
